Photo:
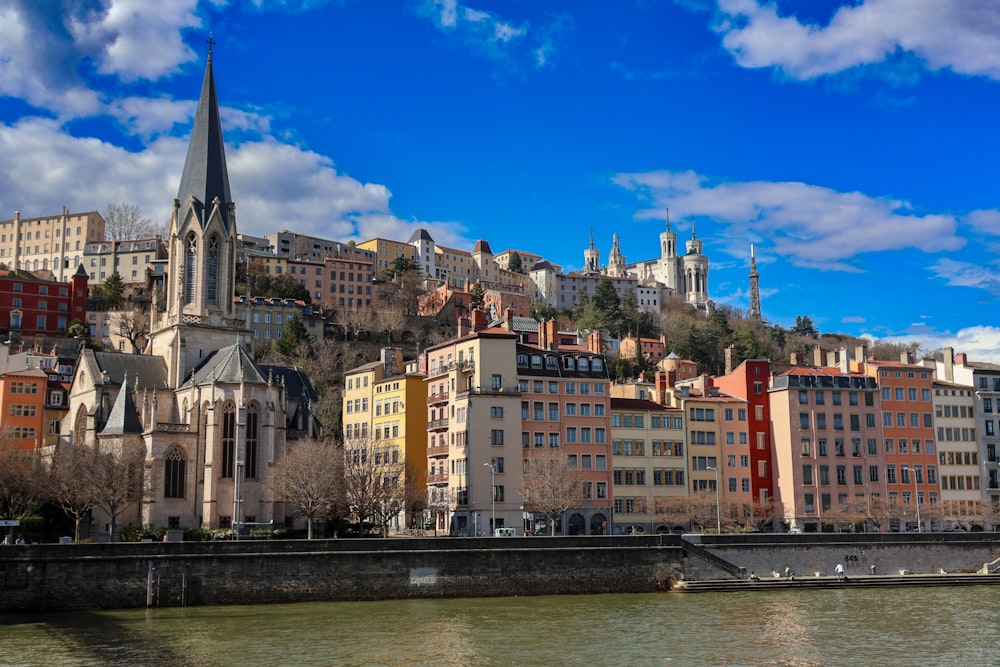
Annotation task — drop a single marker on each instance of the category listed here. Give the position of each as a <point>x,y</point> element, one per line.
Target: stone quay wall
<point>48,577</point>
<point>890,553</point>
<point>120,576</point>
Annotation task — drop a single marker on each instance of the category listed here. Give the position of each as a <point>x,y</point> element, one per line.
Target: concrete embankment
<point>864,581</point>
<point>119,576</point>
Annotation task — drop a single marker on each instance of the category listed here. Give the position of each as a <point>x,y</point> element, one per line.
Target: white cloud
<point>275,185</point>
<point>810,225</point>
<point>853,319</point>
<point>965,274</point>
<point>981,343</point>
<point>482,31</point>
<point>960,35</point>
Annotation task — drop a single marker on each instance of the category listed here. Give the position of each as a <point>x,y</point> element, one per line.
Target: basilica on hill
<point>214,425</point>
<point>685,275</point>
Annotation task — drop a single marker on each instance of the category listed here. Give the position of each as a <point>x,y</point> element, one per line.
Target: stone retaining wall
<point>114,576</point>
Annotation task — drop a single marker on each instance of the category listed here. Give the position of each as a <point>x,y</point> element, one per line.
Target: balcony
<point>488,391</point>
<point>441,397</point>
<point>437,478</point>
<point>169,427</point>
<point>466,366</point>
<point>437,450</point>
<point>437,425</point>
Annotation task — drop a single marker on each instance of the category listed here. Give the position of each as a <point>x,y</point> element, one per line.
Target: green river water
<point>888,626</point>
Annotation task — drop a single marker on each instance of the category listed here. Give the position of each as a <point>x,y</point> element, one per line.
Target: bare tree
<point>124,221</point>
<point>702,509</point>
<point>388,321</point>
<point>20,482</point>
<point>133,325</point>
<point>991,514</point>
<point>550,485</point>
<point>671,511</point>
<point>68,487</point>
<point>114,477</point>
<point>311,479</point>
<point>880,511</point>
<point>762,514</point>
<point>373,480</point>
<point>357,320</point>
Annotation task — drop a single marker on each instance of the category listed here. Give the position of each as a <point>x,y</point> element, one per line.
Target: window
<point>496,436</point>
<point>174,473</point>
<point>228,440</point>
<point>496,412</point>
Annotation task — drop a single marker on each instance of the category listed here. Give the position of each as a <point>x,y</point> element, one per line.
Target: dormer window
<point>597,364</point>
<point>522,360</point>
<point>536,361</point>
<point>551,364</point>
<point>582,364</point>
<point>569,363</point>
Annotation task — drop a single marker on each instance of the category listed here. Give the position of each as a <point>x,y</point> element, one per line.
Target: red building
<point>749,381</point>
<point>34,308</point>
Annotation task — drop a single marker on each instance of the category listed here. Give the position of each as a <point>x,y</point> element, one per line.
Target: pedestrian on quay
<point>840,571</point>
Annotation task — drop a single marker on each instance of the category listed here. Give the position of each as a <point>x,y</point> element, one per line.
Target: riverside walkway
<point>771,583</point>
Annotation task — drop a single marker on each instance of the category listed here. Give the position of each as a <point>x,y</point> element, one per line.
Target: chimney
<point>463,326</point>
<point>543,341</point>
<point>793,358</point>
<point>478,320</point>
<point>508,318</point>
<point>551,334</point>
<point>845,361</point>
<point>595,342</point>
<point>860,353</point>
<point>729,359</point>
<point>962,359</point>
<point>905,357</point>
<point>949,363</point>
<point>831,358</point>
<point>817,356</point>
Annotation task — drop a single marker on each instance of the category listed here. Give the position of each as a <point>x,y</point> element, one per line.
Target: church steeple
<point>205,176</point>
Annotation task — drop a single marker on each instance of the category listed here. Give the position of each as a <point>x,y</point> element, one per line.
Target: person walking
<point>840,571</point>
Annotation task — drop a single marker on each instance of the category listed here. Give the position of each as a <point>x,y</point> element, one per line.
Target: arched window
<point>80,428</point>
<point>228,439</point>
<point>212,288</point>
<point>252,424</point>
<point>190,268</point>
<point>174,473</point>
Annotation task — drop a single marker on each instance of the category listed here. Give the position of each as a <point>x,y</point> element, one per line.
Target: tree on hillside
<point>515,264</point>
<point>294,337</point>
<point>804,327</point>
<point>550,484</point>
<point>125,221</point>
<point>311,479</point>
<point>133,325</point>
<point>477,297</point>
<point>281,287</point>
<point>111,292</point>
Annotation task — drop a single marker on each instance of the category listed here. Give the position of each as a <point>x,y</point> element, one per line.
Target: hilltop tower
<point>592,256</point>
<point>754,287</point>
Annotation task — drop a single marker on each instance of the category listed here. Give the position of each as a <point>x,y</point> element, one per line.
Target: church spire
<point>205,176</point>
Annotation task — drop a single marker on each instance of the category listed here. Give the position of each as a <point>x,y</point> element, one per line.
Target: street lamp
<point>916,496</point>
<point>718,501</point>
<point>493,498</point>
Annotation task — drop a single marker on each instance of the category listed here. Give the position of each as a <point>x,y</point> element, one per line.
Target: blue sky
<point>854,143</point>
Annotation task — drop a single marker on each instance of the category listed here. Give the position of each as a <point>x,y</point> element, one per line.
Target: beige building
<point>133,260</point>
<point>959,464</point>
<point>55,243</point>
<point>648,447</point>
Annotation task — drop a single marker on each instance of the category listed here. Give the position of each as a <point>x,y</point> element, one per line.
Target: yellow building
<point>385,403</point>
<point>386,251</point>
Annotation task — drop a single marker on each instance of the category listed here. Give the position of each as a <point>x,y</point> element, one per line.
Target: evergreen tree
<point>114,291</point>
<point>293,336</point>
<point>515,264</point>
<point>477,298</point>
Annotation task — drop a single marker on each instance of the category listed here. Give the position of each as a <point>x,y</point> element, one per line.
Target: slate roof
<point>149,371</point>
<point>123,418</point>
<point>421,235</point>
<point>205,176</point>
<point>230,365</point>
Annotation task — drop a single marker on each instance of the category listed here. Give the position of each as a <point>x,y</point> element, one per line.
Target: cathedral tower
<point>202,246</point>
<point>592,256</point>
<point>695,271</point>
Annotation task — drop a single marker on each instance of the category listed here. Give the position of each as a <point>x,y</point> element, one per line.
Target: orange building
<point>22,404</point>
<point>908,432</point>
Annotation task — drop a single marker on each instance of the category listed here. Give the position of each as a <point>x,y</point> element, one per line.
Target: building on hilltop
<point>54,244</point>
<point>33,310</point>
<point>213,425</point>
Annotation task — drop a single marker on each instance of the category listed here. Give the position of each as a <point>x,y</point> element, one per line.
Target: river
<point>880,626</point>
